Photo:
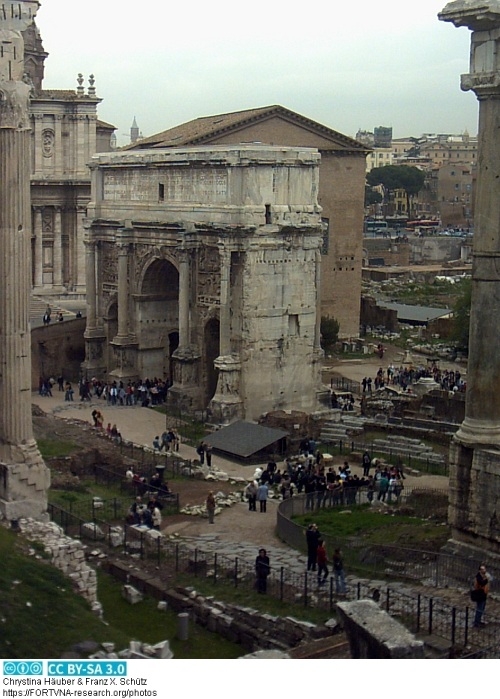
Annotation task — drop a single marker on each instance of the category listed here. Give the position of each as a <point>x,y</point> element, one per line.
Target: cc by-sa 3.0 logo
<point>22,667</point>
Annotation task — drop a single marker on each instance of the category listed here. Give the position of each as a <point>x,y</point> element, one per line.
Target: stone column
<point>317,327</point>
<point>94,364</point>
<point>79,251</point>
<point>24,478</point>
<point>38,247</point>
<point>482,413</point>
<point>475,449</point>
<point>226,406</point>
<point>124,346</point>
<point>184,274</point>
<point>123,293</point>
<point>225,303</point>
<point>186,392</point>
<point>57,253</point>
<point>39,144</point>
<point>90,264</point>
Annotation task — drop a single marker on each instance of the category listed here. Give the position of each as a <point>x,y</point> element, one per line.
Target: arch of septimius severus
<point>203,264</point>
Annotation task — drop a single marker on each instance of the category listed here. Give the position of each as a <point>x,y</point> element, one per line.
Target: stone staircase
<point>407,446</point>
<point>341,426</point>
<point>38,306</point>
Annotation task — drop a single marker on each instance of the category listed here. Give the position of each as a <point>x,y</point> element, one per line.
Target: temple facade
<point>204,265</point>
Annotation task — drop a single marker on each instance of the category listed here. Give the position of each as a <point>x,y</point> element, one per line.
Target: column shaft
<point>15,287</point>
<point>38,247</point>
<point>225,303</point>
<point>184,330</point>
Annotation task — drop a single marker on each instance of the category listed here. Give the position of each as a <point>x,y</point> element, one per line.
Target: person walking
<point>251,493</point>
<point>262,493</point>
<point>338,569</point>
<point>321,560</point>
<point>210,503</point>
<point>262,570</point>
<point>367,462</point>
<point>479,594</point>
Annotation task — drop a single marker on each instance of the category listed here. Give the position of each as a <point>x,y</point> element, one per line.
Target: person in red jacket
<point>321,561</point>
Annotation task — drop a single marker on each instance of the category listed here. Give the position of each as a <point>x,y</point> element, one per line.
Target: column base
<point>481,432</point>
<point>95,363</point>
<point>227,406</point>
<point>24,482</point>
<point>125,355</point>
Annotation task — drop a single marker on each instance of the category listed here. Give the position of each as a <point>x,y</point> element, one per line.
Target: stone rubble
<point>67,555</point>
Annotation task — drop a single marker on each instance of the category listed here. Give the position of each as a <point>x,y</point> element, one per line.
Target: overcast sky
<point>346,64</point>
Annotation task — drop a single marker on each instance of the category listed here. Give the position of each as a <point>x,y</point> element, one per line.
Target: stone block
<point>131,594</point>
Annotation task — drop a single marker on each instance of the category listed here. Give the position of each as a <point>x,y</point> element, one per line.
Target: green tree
<point>461,315</point>
<point>329,332</point>
<point>393,177</point>
<point>372,197</point>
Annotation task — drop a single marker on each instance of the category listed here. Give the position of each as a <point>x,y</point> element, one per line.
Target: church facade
<point>204,265</point>
<point>65,133</point>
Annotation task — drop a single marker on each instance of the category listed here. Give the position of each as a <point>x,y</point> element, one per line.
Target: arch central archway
<point>157,318</point>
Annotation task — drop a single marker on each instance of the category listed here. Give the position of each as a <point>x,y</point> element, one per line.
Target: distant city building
<point>382,136</point>
<point>449,162</point>
<point>135,134</point>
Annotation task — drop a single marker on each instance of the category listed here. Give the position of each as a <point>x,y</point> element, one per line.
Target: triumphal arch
<point>203,265</point>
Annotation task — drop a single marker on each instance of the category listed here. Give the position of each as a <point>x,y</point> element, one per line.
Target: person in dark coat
<point>262,570</point>
<point>312,538</point>
<point>481,589</point>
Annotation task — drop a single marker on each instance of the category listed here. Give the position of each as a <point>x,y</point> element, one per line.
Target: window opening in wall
<point>268,213</point>
<point>161,192</point>
<point>293,325</point>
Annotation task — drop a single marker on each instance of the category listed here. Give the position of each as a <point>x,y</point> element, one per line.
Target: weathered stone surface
<point>131,594</point>
<point>372,633</point>
<point>254,286</point>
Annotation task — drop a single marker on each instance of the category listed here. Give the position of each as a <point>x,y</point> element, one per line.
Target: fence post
<point>466,630</point>
<point>431,606</point>
<point>215,568</point>
<point>158,545</point>
<point>358,590</point>
<point>331,593</point>
<point>282,581</point>
<point>419,609</point>
<point>387,600</point>
<point>305,589</point>
<point>236,572</point>
<point>453,625</point>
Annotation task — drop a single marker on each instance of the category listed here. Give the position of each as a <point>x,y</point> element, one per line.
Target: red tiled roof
<point>198,131</point>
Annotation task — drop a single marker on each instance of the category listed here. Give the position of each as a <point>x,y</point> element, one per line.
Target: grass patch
<point>41,617</point>
<point>363,523</point>
<point>144,622</point>
<point>56,447</point>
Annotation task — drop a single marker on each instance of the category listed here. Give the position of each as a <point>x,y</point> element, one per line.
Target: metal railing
<point>418,612</point>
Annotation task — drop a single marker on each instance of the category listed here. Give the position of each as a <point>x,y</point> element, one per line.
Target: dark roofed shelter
<point>246,440</point>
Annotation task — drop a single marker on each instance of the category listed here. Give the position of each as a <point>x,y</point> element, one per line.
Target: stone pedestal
<point>125,353</point>
<point>226,406</point>
<point>186,394</point>
<point>95,364</point>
